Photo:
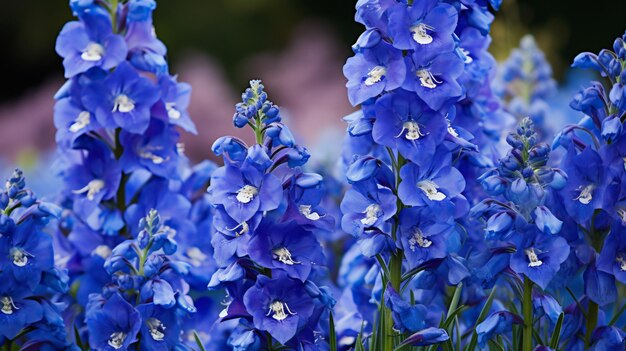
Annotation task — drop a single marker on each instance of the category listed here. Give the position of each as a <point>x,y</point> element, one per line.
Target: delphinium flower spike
<point>405,203</point>
<point>267,214</point>
<point>592,203</point>
<point>525,83</point>
<point>117,120</point>
<point>30,315</point>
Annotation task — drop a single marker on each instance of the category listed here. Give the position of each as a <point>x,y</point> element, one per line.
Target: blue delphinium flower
<point>525,82</point>
<point>267,216</point>
<point>114,323</point>
<point>31,283</point>
<point>120,157</point>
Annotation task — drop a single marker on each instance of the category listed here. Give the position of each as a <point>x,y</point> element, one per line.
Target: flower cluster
<point>117,120</point>
<point>266,217</point>
<point>30,314</point>
<point>146,297</point>
<point>525,83</point>
<point>520,231</point>
<point>419,72</point>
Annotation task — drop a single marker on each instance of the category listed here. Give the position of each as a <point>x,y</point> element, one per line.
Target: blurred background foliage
<point>232,30</point>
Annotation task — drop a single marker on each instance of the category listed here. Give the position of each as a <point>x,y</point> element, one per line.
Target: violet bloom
<point>123,99</point>
<point>425,26</point>
<point>17,308</point>
<point>373,70</point>
<point>113,324</point>
<point>435,79</point>
<point>612,259</point>
<point>244,191</point>
<point>405,123</point>
<point>431,185</point>
<point>539,256</point>
<point>364,208</point>
<point>287,247</point>
<point>175,97</point>
<point>278,305</point>
<point>424,235</point>
<point>88,44</point>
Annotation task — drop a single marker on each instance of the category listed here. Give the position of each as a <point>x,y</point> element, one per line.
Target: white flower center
<point>172,112</point>
<point>431,189</point>
<point>412,129</point>
<point>278,309</point>
<point>123,104</point>
<point>92,189</point>
<point>7,305</point>
<point>148,154</point>
<point>621,212</point>
<point>197,257</point>
<point>622,262</point>
<point>375,75</point>
<point>586,194</point>
<point>156,328</point>
<point>103,251</point>
<point>420,35</point>
<point>418,239</point>
<point>246,194</point>
<point>372,213</point>
<point>83,120</point>
<point>284,256</point>
<point>93,52</point>
<point>451,129</point>
<point>466,56</point>
<point>116,340</point>
<point>533,260</point>
<point>427,79</point>
<point>20,257</point>
<point>305,210</point>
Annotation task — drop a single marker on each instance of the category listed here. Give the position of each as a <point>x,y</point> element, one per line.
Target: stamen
<point>283,255</point>
<point>116,340</point>
<point>585,195</point>
<point>467,59</point>
<point>621,259</point>
<point>93,52</point>
<point>7,305</point>
<point>372,213</point>
<point>278,309</point>
<point>420,35</point>
<point>156,328</point>
<point>156,159</point>
<point>172,112</point>
<point>83,120</point>
<point>244,228</point>
<point>418,239</point>
<point>451,130</point>
<point>246,194</point>
<point>430,188</point>
<point>103,251</point>
<point>305,210</point>
<point>534,261</point>
<point>92,188</point>
<point>123,104</point>
<point>375,75</point>
<point>20,257</point>
<point>196,256</point>
<point>412,129</point>
<point>427,79</point>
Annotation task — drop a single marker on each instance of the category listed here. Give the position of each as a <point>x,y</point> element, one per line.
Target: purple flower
<point>88,44</point>
<point>287,247</point>
<point>373,70</point>
<point>113,324</point>
<point>364,208</point>
<point>435,79</point>
<point>123,99</point>
<point>424,235</point>
<point>278,305</point>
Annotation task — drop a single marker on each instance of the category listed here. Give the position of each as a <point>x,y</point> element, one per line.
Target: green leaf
<point>481,317</point>
<point>556,334</point>
<point>359,340</point>
<point>197,338</point>
<point>617,315</point>
<point>332,336</point>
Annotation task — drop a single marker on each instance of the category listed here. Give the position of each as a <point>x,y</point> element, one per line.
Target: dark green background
<point>232,30</point>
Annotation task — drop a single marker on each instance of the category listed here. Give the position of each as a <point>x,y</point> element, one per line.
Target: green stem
<point>527,311</point>
<point>592,321</point>
<point>113,9</point>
